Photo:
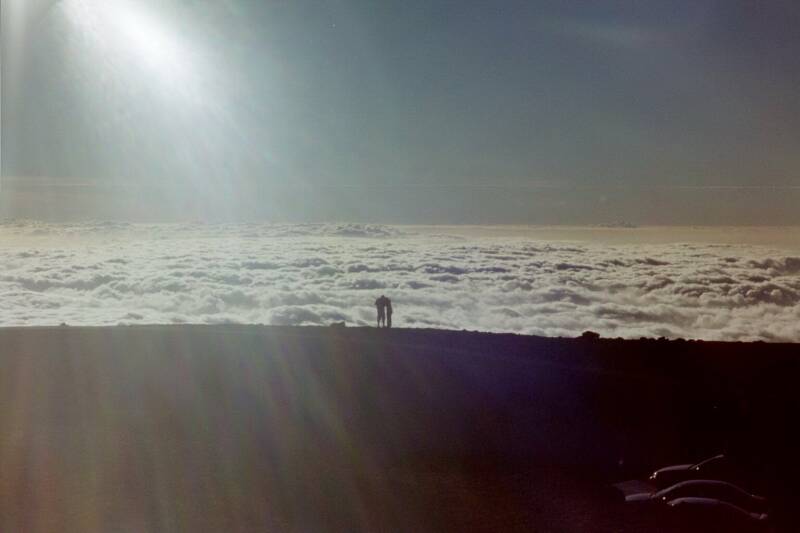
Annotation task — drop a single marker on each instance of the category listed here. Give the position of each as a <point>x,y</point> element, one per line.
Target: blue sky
<point>420,111</point>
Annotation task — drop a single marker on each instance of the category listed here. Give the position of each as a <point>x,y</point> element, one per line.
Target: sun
<point>128,34</point>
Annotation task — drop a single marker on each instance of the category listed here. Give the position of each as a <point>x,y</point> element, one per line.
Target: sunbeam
<point>141,76</point>
<point>128,39</point>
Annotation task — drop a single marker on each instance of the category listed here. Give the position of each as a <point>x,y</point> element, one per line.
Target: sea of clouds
<point>108,274</point>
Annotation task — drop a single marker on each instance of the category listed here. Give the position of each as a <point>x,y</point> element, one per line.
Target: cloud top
<point>107,274</point>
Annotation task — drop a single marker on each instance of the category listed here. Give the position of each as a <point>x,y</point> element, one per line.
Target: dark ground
<point>240,428</point>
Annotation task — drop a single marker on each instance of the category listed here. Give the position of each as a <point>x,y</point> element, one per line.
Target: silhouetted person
<point>380,305</point>
<point>388,313</point>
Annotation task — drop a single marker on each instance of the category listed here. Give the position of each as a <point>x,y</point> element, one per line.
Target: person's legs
<point>388,320</point>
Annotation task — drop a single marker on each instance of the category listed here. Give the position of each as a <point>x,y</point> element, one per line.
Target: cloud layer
<point>104,274</point>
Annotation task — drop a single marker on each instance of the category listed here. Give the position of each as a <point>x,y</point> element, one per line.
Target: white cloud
<point>101,274</point>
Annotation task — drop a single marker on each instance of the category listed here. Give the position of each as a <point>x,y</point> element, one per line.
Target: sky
<point>434,111</point>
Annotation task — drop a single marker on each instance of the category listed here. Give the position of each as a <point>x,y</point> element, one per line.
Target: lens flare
<point>148,92</point>
<point>129,35</point>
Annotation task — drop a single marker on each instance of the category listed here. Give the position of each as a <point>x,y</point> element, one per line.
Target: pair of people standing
<point>384,306</point>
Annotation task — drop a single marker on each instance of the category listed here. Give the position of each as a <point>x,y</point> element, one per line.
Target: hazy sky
<point>434,111</point>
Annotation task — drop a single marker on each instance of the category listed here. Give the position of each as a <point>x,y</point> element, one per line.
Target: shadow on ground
<point>239,428</point>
